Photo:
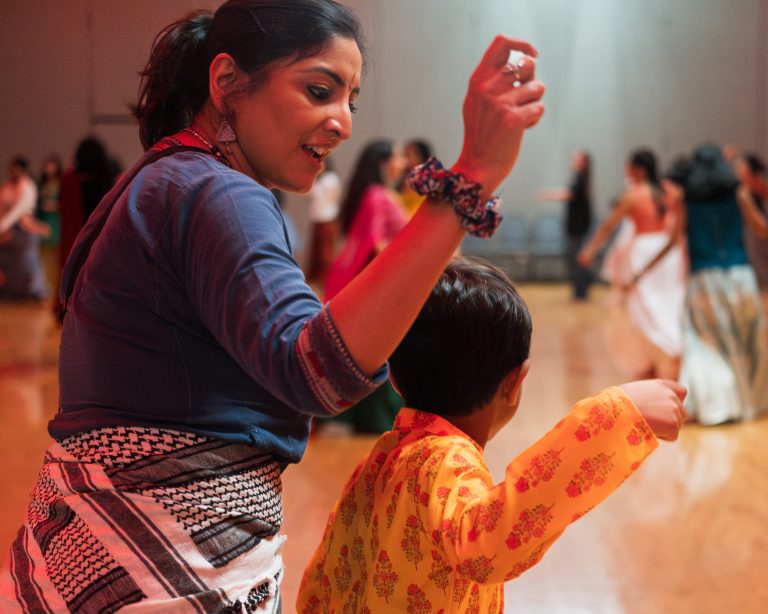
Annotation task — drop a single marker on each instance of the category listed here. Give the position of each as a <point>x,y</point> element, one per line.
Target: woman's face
<point>741,168</point>
<point>287,126</point>
<point>635,173</point>
<point>15,171</point>
<point>578,161</point>
<point>394,166</point>
<point>412,157</point>
<point>50,169</point>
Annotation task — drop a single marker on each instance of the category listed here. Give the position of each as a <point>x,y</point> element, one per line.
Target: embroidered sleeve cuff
<point>331,373</point>
<point>638,431</point>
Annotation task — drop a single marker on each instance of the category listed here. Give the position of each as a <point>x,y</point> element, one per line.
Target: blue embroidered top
<point>191,314</point>
<point>715,234</point>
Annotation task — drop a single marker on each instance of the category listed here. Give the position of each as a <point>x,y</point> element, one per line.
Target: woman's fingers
<point>525,116</point>
<point>497,54</point>
<point>527,100</point>
<point>515,74</point>
<point>503,100</point>
<point>532,114</point>
<point>525,94</point>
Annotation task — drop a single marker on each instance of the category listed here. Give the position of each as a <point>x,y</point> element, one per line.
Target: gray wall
<point>620,73</point>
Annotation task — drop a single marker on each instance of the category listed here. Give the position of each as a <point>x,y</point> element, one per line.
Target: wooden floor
<point>687,534</point>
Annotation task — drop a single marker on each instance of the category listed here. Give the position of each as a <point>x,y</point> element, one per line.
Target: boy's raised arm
<point>494,533</point>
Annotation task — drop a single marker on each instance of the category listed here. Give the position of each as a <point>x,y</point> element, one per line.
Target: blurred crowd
<point>687,255</point>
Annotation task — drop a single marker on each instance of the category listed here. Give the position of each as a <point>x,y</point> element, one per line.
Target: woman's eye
<point>318,92</point>
<point>352,107</point>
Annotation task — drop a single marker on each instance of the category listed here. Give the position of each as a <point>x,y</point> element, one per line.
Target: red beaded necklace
<point>188,139</point>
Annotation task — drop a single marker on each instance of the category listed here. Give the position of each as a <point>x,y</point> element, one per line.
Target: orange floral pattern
<point>599,418</point>
<point>541,469</point>
<point>385,577</point>
<point>641,433</point>
<point>411,543</point>
<point>473,607</point>
<point>392,507</point>
<point>343,572</point>
<point>592,472</point>
<point>421,527</point>
<point>417,601</point>
<point>532,523</point>
<point>488,516</point>
<point>440,574</point>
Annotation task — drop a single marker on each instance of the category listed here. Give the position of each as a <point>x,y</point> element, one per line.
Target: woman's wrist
<point>478,175</point>
<point>478,215</point>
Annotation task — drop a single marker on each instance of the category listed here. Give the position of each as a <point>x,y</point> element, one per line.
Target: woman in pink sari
<point>371,214</point>
<point>370,217</point>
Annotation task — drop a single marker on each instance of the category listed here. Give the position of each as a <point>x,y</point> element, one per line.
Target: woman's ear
<point>223,74</point>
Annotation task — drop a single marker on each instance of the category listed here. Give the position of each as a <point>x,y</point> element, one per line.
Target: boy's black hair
<point>473,330</point>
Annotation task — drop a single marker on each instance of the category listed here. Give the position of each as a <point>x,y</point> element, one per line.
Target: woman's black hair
<point>645,160</point>
<point>21,162</point>
<point>587,162</point>
<point>583,176</point>
<point>423,148</point>
<point>755,164</point>
<point>174,84</point>
<point>424,151</point>
<point>472,332</point>
<point>97,171</point>
<point>368,171</point>
<point>709,176</point>
<point>678,170</point>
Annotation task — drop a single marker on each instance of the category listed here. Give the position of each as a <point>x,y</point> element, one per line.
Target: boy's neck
<point>476,425</point>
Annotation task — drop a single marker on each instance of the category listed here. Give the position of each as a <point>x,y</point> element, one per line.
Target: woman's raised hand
<point>502,100</point>
<point>585,257</point>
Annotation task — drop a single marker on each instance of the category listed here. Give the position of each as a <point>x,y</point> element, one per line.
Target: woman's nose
<point>340,125</point>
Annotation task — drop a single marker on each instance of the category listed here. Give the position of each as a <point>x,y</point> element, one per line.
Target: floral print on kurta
<point>422,528</point>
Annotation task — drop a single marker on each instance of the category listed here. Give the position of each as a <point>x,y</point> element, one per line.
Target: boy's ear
<point>513,383</point>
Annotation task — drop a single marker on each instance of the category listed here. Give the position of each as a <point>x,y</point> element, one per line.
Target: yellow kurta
<point>411,201</point>
<point>422,528</point>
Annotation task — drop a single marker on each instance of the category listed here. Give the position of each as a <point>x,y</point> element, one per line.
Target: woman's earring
<point>226,134</point>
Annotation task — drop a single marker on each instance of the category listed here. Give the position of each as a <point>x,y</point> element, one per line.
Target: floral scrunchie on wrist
<point>479,218</point>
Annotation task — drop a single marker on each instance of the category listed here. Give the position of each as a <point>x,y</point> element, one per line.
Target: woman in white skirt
<point>646,269</point>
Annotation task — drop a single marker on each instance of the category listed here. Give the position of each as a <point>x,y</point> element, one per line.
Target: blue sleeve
<point>251,294</point>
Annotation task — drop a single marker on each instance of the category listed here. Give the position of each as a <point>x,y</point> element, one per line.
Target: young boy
<point>420,526</point>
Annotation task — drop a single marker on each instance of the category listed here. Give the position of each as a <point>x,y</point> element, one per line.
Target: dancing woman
<point>646,269</point>
<point>725,358</point>
<point>370,218</point>
<point>578,218</point>
<point>193,353</point>
<point>752,195</point>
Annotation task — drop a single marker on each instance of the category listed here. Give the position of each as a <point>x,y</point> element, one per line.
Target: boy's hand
<point>661,403</point>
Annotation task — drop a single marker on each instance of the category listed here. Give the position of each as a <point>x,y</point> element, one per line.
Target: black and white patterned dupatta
<point>148,520</point>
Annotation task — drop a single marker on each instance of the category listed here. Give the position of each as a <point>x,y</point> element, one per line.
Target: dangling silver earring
<point>226,134</point>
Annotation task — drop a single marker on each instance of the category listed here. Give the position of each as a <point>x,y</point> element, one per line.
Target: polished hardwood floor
<point>687,534</point>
